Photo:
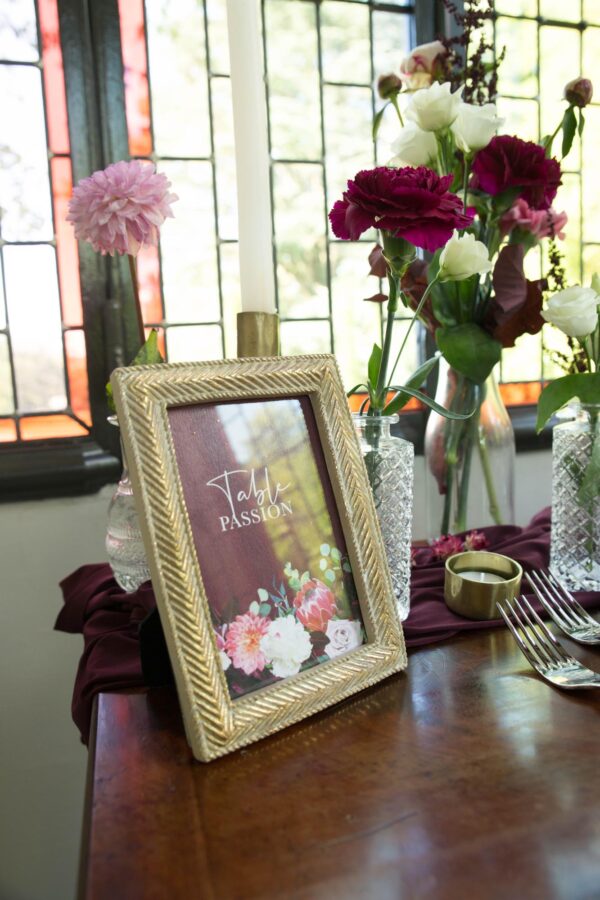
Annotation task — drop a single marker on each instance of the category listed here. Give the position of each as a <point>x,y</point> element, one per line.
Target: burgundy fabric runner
<point>110,619</point>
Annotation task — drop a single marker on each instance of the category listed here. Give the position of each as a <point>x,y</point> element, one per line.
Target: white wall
<point>42,763</point>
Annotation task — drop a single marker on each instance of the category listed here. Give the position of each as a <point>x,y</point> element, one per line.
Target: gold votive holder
<point>477,579</point>
<point>257,334</point>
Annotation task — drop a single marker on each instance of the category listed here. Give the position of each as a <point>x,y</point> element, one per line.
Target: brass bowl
<point>468,594</point>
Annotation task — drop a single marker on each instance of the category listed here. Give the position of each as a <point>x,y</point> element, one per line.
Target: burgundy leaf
<point>376,298</point>
<point>377,262</point>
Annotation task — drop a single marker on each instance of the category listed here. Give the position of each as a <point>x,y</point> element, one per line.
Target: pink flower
<point>315,605</point>
<point>446,545</point>
<point>243,642</point>
<point>121,208</point>
<point>539,222</point>
<point>508,162</point>
<point>418,67</point>
<point>221,634</point>
<point>413,204</point>
<point>475,540</point>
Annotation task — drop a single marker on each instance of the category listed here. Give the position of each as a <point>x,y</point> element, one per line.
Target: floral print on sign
<point>301,621</point>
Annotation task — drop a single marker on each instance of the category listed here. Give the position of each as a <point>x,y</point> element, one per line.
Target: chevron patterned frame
<point>215,724</point>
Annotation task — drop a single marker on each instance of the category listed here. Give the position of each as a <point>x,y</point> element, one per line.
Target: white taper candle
<point>251,156</point>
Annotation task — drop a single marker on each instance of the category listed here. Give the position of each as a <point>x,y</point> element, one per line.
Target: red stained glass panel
<point>8,431</point>
<point>77,372</point>
<point>66,245</point>
<point>35,428</point>
<point>135,64</point>
<point>54,81</point>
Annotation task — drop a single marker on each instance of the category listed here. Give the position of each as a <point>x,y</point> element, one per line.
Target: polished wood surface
<point>467,777</point>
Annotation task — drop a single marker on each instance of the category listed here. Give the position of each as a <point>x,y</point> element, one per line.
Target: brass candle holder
<point>477,579</point>
<point>257,334</point>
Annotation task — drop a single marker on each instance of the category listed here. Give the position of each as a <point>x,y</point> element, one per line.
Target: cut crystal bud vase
<point>469,463</point>
<point>390,466</point>
<point>124,544</point>
<point>575,535</point>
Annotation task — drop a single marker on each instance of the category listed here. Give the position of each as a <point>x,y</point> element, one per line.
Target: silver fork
<point>562,606</point>
<point>542,650</point>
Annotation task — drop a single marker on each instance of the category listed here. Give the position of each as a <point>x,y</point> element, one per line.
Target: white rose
<point>433,108</point>
<point>475,126</point>
<point>286,645</point>
<point>414,147</point>
<point>574,311</point>
<point>462,257</point>
<point>343,635</point>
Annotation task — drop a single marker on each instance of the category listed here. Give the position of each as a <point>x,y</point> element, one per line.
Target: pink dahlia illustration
<point>242,643</point>
<point>121,208</point>
<point>315,605</point>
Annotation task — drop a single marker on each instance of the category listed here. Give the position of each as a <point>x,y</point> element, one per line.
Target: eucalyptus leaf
<point>265,609</point>
<point>325,549</point>
<point>263,595</point>
<point>330,576</point>
<point>569,126</point>
<point>584,385</point>
<point>470,350</point>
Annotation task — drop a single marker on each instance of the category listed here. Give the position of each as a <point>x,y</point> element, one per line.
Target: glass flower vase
<point>124,544</point>
<point>469,463</point>
<point>390,465</point>
<point>575,532</point>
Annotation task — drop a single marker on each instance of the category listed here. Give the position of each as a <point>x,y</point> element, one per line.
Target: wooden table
<point>467,778</point>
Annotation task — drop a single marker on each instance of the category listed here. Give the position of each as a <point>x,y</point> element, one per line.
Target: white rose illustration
<point>475,126</point>
<point>462,257</point>
<point>286,645</point>
<point>343,635</point>
<point>574,310</point>
<point>414,147</point>
<point>434,108</point>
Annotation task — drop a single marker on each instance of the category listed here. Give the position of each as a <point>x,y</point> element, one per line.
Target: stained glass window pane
<point>18,35</point>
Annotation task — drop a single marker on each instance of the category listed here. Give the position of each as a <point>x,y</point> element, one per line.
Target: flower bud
<point>388,86</point>
<point>579,92</point>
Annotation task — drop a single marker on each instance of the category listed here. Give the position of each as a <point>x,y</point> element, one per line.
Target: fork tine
<point>538,638</point>
<point>530,634</point>
<point>576,608</point>
<point>554,645</point>
<point>533,660</point>
<point>555,607</point>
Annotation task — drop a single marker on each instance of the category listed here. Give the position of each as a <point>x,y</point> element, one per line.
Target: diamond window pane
<point>559,63</point>
<point>176,49</point>
<point>35,327</point>
<point>24,182</point>
<point>18,33</point>
<point>345,60</point>
<point>189,261</point>
<point>293,77</point>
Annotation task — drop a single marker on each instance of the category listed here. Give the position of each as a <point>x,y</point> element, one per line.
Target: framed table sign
<point>262,539</point>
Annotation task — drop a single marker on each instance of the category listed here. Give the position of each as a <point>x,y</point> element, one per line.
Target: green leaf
<point>415,381</point>
<point>585,385</point>
<point>470,350</point>
<point>305,577</point>
<point>330,576</point>
<point>374,366</point>
<point>265,609</point>
<point>255,607</point>
<point>441,410</point>
<point>263,595</point>
<point>323,564</point>
<point>581,123</point>
<point>354,390</point>
<point>346,566</point>
<point>378,118</point>
<point>325,549</point>
<point>146,355</point>
<point>335,554</point>
<point>569,126</point>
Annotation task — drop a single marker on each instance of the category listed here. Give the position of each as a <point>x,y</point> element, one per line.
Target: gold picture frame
<point>149,400</point>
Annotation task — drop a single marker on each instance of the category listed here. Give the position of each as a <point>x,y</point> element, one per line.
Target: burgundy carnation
<point>509,162</point>
<point>414,204</point>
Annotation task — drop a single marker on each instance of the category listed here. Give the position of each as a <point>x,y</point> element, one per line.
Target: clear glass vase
<point>470,463</point>
<point>124,544</point>
<point>575,534</point>
<point>390,466</point>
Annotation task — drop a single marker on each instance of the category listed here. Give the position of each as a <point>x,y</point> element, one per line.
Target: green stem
<point>136,297</point>
<point>394,102</point>
<point>392,306</point>
<point>460,523</point>
<point>418,310</point>
<point>467,169</point>
<point>489,480</point>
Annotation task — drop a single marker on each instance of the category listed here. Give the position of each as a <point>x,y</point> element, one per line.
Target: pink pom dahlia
<point>121,208</point>
<point>242,643</point>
